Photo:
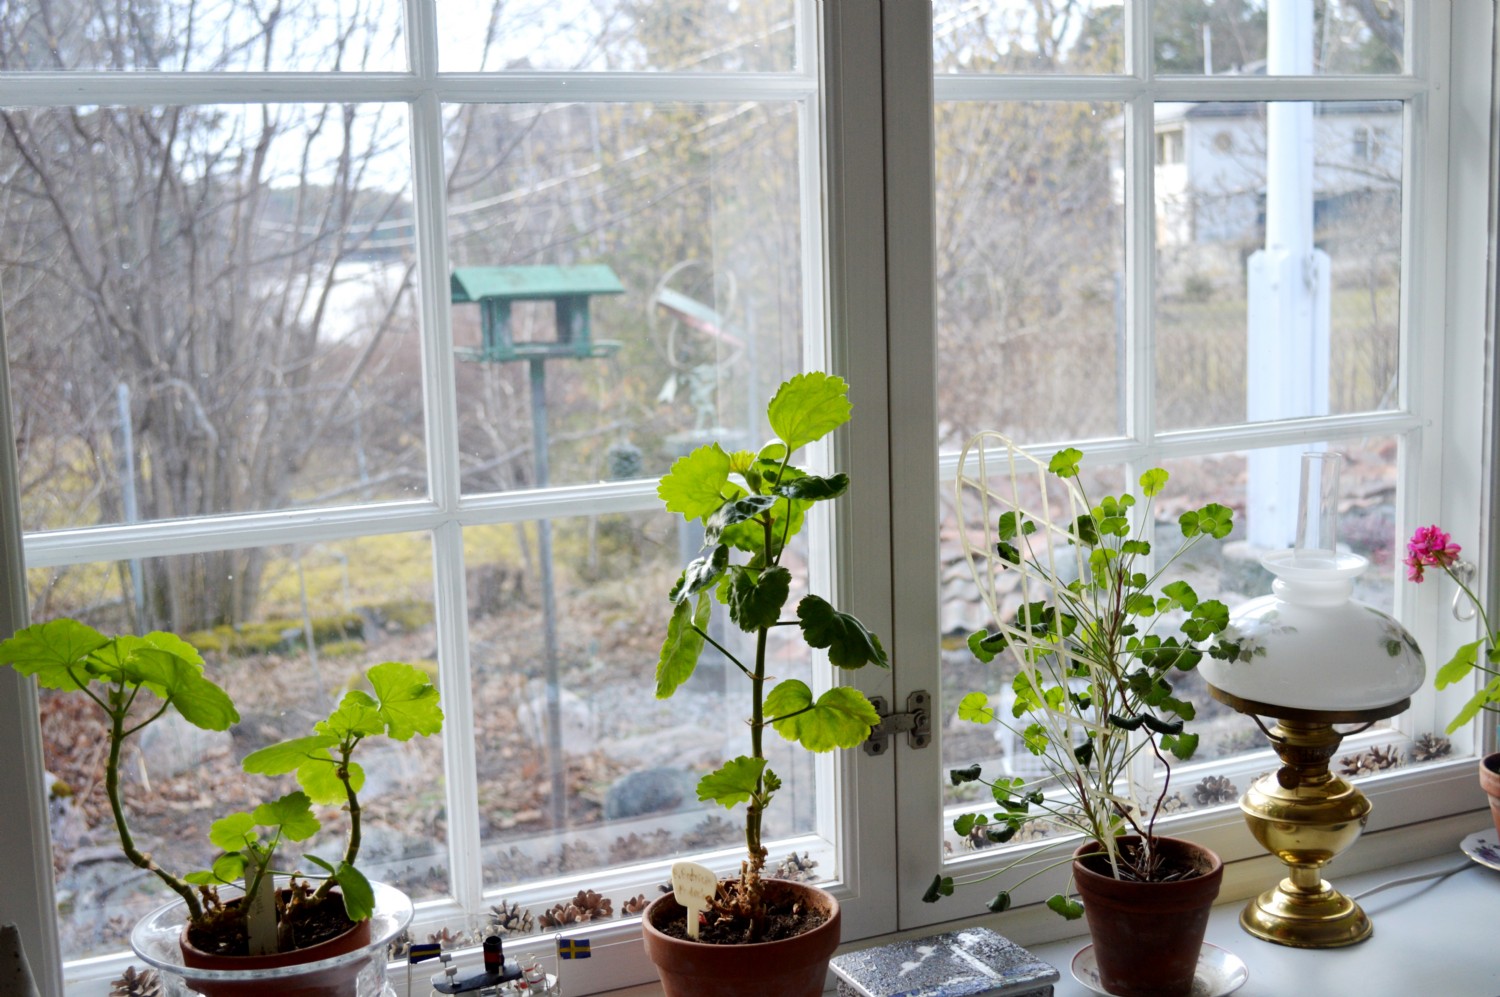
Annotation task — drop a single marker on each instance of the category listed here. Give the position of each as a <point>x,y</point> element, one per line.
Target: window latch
<point>915,723</point>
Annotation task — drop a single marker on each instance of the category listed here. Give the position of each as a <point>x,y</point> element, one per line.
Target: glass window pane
<point>203,36</point>
<point>1002,36</point>
<point>618,35</point>
<point>1244,36</point>
<point>628,283</point>
<point>581,768</point>
<point>286,631</point>
<point>1279,260</point>
<point>210,310</point>
<point>1030,270</point>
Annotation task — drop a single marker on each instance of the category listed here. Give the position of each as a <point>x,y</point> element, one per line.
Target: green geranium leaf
<point>700,574</point>
<point>1153,481</point>
<point>786,515</point>
<point>1064,463</point>
<point>963,824</point>
<point>1140,604</point>
<point>292,813</point>
<point>840,718</point>
<point>1181,746</point>
<point>358,715</point>
<point>234,832</point>
<point>680,651</point>
<point>1135,547</point>
<point>1488,694</point>
<point>975,708</point>
<point>694,487</point>
<point>735,511</point>
<point>756,597</point>
<point>200,702</point>
<point>288,756</point>
<point>733,782</point>
<point>986,646</point>
<point>1070,909</point>
<point>48,650</point>
<point>814,489</point>
<point>359,895</point>
<point>1012,524</point>
<point>942,886</point>
<point>1181,594</point>
<point>408,701</point>
<point>808,407</point>
<point>1213,519</point>
<point>1461,664</point>
<point>1000,903</point>
<point>228,868</point>
<point>849,644</point>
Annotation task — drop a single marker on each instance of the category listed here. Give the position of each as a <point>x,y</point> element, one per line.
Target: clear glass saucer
<point>155,940</point>
<point>1219,973</point>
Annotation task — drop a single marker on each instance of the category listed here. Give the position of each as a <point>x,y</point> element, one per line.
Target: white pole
<point>1289,299</point>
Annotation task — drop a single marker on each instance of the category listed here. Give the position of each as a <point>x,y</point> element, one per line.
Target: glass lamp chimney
<point>1318,510</point>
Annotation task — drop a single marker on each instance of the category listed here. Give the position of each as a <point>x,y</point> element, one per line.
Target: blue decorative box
<point>974,962</point>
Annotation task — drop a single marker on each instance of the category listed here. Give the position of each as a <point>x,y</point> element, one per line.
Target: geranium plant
<point>752,503</point>
<point>1093,688</point>
<point>135,680</point>
<point>1430,547</point>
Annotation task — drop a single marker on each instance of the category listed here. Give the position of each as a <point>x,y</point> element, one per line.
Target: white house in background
<point>1211,167</point>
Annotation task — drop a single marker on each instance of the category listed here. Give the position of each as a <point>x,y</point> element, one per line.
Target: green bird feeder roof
<point>532,283</point>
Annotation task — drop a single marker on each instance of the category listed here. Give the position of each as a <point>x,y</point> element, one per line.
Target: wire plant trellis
<point>1073,595</point>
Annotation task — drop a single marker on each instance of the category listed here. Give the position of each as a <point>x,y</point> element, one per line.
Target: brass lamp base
<point>1305,816</point>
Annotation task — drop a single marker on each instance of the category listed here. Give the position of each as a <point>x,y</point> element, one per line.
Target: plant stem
<point>141,860</point>
<point>351,846</point>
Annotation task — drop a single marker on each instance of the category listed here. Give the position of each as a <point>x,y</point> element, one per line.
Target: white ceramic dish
<point>1482,847</point>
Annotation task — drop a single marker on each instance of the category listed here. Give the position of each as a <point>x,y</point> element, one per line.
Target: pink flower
<point>1429,546</point>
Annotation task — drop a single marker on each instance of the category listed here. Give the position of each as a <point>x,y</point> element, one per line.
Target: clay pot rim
<point>1094,847</point>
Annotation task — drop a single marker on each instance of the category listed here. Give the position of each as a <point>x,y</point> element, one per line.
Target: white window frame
<point>874,129</point>
<point>1441,416</point>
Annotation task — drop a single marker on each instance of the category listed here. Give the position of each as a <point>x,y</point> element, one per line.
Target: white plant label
<point>692,885</point>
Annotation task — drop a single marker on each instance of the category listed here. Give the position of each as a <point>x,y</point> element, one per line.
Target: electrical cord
<point>1436,877</point>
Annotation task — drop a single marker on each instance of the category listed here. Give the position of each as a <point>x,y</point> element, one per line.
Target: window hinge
<point>916,722</point>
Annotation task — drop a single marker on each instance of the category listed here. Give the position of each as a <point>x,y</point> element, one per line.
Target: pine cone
<point>448,940</point>
<point>398,946</point>
<point>1174,804</point>
<point>1377,759</point>
<point>586,906</point>
<point>797,868</point>
<point>1215,789</point>
<point>1431,747</point>
<point>133,984</point>
<point>635,905</point>
<point>510,919</point>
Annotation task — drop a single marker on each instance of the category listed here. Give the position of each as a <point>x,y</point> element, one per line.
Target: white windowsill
<point>1429,938</point>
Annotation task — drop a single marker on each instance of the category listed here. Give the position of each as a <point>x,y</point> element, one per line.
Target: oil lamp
<point>1312,657</point>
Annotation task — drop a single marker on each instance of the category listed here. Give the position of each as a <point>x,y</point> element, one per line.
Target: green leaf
<point>408,701</point>
<point>733,782</point>
<point>808,407</point>
<point>1135,547</point>
<point>1181,594</point>
<point>1070,909</point>
<point>200,702</point>
<point>47,650</point>
<point>960,776</point>
<point>735,511</point>
<point>1012,523</point>
<point>227,868</point>
<point>234,832</point>
<point>1488,694</point>
<point>358,715</point>
<point>1140,604</point>
<point>1153,481</point>
<point>975,708</point>
<point>1213,519</point>
<point>288,756</point>
<point>700,574</point>
<point>1064,463</point>
<point>841,717</point>
<point>1000,903</point>
<point>683,645</point>
<point>986,645</point>
<point>359,895</point>
<point>849,644</point>
<point>963,824</point>
<point>809,488</point>
<point>756,597</point>
<point>1459,666</point>
<point>1181,746</point>
<point>942,886</point>
<point>694,487</point>
<point>1036,739</point>
<point>291,813</point>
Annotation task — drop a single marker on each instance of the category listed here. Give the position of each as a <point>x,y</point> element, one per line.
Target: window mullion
<point>450,604</point>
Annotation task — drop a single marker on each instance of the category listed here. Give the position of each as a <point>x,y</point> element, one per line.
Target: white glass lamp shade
<point>1310,646</point>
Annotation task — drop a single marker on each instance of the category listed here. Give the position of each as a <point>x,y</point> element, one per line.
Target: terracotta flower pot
<point>788,967</point>
<point>1489,781</point>
<point>350,965</point>
<point>338,981</point>
<point>1147,935</point>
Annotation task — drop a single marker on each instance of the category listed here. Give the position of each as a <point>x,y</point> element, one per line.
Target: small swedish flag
<point>572,948</point>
